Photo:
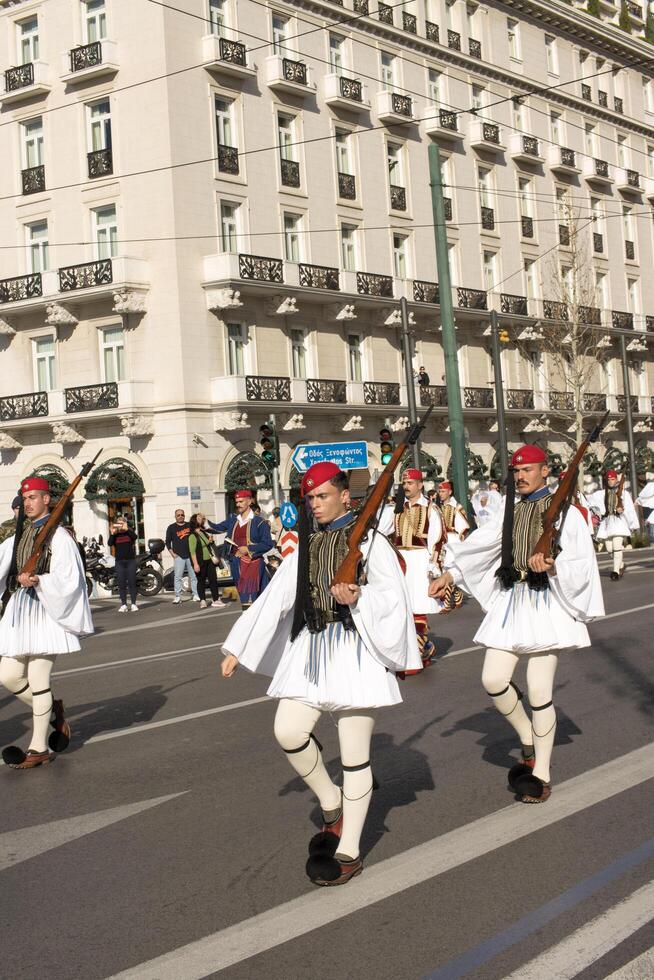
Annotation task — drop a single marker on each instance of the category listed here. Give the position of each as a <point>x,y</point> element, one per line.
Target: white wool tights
<point>615,546</point>
<point>294,724</point>
<point>498,669</point>
<point>29,679</point>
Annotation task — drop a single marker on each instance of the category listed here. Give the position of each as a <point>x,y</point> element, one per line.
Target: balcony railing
<point>555,311</point>
<point>426,292</point>
<point>602,98</point>
<point>474,48</point>
<point>385,12</point>
<point>85,275</point>
<point>471,299</point>
<point>264,388</point>
<point>86,56</point>
<point>19,77</point>
<point>649,324</point>
<point>361,7</point>
<point>564,235</point>
<point>519,398</point>
<point>516,305</point>
<point>491,133</point>
<point>594,403</point>
<point>601,168</point>
<point>401,104</point>
<point>435,395</point>
<point>290,171</point>
<point>294,71</point>
<point>633,178</point>
<point>622,321</point>
<point>347,186</point>
<point>635,9</point>
<point>447,120</point>
<point>562,401</point>
<point>478,398</point>
<point>622,404</point>
<point>598,242</point>
<point>100,163</point>
<point>30,406</point>
<point>530,146</point>
<point>589,315</point>
<point>487,219</point>
<point>318,276</point>
<point>233,52</point>
<point>228,159</point>
<point>409,22</point>
<point>618,105</point>
<point>586,92</point>
<point>432,32</point>
<point>20,287</point>
<point>90,398</point>
<point>370,284</point>
<point>454,40</point>
<point>350,88</point>
<point>332,392</point>
<point>398,198</point>
<point>33,180</point>
<point>260,268</point>
<point>629,251</point>
<point>568,157</point>
<point>381,393</point>
<point>447,208</point>
<point>527,225</point>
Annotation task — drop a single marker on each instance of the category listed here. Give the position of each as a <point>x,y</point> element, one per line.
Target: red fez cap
<point>243,495</point>
<point>445,485</point>
<point>316,475</point>
<point>610,473</point>
<point>412,475</point>
<point>528,454</point>
<point>35,483</point>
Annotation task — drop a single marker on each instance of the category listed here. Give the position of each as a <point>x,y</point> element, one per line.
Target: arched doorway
<point>246,471</point>
<point>118,484</point>
<point>59,483</point>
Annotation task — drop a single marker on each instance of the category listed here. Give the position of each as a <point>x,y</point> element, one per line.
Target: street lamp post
<point>408,373</point>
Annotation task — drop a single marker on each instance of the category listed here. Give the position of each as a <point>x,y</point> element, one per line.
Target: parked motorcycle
<point>149,569</point>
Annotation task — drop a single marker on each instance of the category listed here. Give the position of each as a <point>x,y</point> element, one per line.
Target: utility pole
<point>452,383</point>
<point>633,476</point>
<point>277,493</point>
<point>499,394</point>
<point>408,372</point>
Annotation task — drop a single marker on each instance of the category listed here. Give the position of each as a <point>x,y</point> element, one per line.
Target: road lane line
<point>137,660</point>
<point>322,906</point>
<point>137,729</point>
<point>164,622</point>
<point>642,968</point>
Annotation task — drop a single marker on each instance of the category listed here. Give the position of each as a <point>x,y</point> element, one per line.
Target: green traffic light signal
<point>269,444</point>
<point>386,445</point>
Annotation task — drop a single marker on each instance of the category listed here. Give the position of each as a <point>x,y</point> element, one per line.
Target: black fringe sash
<point>320,554</point>
<point>611,501</point>
<point>522,527</point>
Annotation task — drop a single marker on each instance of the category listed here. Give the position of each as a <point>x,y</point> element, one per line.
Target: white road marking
<point>138,660</point>
<point>589,943</point>
<point>28,842</point>
<point>642,968</point>
<point>164,622</point>
<point>322,906</point>
<point>137,729</point>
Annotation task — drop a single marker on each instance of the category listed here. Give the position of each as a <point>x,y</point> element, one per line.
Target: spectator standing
<point>423,377</point>
<point>200,550</point>
<point>177,536</point>
<point>123,539</point>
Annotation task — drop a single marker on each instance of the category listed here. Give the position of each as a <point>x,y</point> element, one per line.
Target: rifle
<point>56,515</point>
<point>618,497</point>
<point>560,502</point>
<point>346,573</point>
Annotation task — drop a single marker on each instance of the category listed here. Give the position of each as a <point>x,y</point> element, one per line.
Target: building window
<point>551,54</point>
<point>478,97</point>
<point>434,86</point>
<point>280,27</point>
<point>395,168</point>
<point>650,160</point>
<point>45,374</point>
<point>526,198</point>
<point>556,128</point>
<point>355,356</point>
<point>298,354</point>
<point>38,247</point>
<point>100,126</point>
<point>343,155</point>
<point>598,215</point>
<point>28,40</point>
<point>647,95</point>
<point>286,133</point>
<point>113,354</point>
<point>484,185</point>
<point>591,140</point>
<point>629,232</point>
<point>236,343</point>
<point>623,151</point>
<point>32,143</point>
<point>105,229</point>
<point>292,233</point>
<point>531,283</point>
<point>349,247</point>
<point>225,128</point>
<point>337,53</point>
<point>218,17</point>
<point>490,270</point>
<point>400,261</point>
<point>513,34</point>
<point>228,226</point>
<point>601,290</point>
<point>453,254</point>
<point>518,113</point>
<point>633,295</point>
<point>387,62</point>
<point>95,20</point>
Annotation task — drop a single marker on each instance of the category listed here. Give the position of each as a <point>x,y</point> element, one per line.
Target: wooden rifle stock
<point>55,518</point>
<point>346,573</point>
<point>618,497</point>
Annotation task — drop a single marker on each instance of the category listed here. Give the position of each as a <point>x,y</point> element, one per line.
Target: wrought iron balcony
<point>432,32</point>
<point>471,299</point>
<point>100,163</point>
<point>264,388</point>
<point>590,316</point>
<point>454,40</point>
<point>409,22</point>
<point>478,398</point>
<point>568,157</point>
<point>233,52</point>
<point>490,133</point>
<point>385,13</point>
<point>515,305</point>
<point>447,120</point>
<point>370,284</point>
<point>290,170</point>
<point>361,7</point>
<point>332,392</point>
<point>228,159</point>
<point>622,404</point>
<point>30,406</point>
<point>86,56</point>
<point>527,226</point>
<point>635,9</point>
<point>649,324</point>
<point>586,92</point>
<point>530,146</point>
<point>594,402</point>
<point>318,276</point>
<point>260,268</point>
<point>347,186</point>
<point>474,48</point>
<point>447,208</point>
<point>564,235</point>
<point>294,71</point>
<point>598,242</point>
<point>401,104</point>
<point>426,292</point>
<point>21,287</point>
<point>618,105</point>
<point>562,401</point>
<point>381,393</point>
<point>601,168</point>
<point>633,178</point>
<point>33,180</point>
<point>629,251</point>
<point>86,275</point>
<point>555,311</point>
<point>91,398</point>
<point>520,399</point>
<point>435,395</point>
<point>487,219</point>
<point>602,98</point>
<point>622,321</point>
<point>19,77</point>
<point>350,88</point>
<point>398,198</point>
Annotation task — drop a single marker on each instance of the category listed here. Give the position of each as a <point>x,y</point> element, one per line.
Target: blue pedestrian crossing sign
<point>288,514</point>
<point>346,455</point>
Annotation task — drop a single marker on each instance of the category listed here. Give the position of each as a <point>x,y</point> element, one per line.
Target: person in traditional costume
<point>249,539</point>
<point>457,525</point>
<point>535,606</point>
<point>330,648</point>
<point>646,500</point>
<point>619,519</point>
<point>46,614</point>
<point>486,503</point>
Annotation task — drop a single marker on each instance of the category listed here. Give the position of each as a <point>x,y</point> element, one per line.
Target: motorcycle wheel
<point>150,582</point>
<point>89,586</point>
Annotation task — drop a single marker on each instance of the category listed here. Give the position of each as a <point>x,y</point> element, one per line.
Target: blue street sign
<point>347,455</point>
<point>288,514</point>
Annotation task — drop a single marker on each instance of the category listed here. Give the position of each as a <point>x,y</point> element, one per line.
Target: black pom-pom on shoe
<point>531,789</point>
<point>333,871</point>
<point>516,772</point>
<point>323,844</point>
<point>13,756</point>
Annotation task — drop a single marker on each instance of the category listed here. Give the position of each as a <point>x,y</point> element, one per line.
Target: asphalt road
<point>169,841</point>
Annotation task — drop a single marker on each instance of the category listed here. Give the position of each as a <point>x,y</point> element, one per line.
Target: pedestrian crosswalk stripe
<point>642,968</point>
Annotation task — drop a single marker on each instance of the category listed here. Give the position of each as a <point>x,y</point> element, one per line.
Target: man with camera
<point>122,539</point>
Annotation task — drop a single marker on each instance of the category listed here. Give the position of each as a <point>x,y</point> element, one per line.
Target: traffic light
<point>386,445</point>
<point>504,337</point>
<point>269,444</point>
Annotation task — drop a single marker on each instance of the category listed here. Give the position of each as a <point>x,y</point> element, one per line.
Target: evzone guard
<point>457,525</point>
<point>535,604</point>
<point>619,518</point>
<point>330,648</point>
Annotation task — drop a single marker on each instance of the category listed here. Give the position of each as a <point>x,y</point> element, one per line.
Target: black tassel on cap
<point>20,522</point>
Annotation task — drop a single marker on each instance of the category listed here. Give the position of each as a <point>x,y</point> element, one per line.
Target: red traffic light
<point>385,435</point>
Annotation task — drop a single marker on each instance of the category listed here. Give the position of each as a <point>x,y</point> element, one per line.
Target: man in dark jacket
<point>249,539</point>
<point>177,536</point>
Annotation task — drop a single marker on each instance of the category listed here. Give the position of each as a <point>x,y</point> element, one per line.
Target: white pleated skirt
<point>614,526</point>
<point>416,577</point>
<point>525,621</point>
<point>333,671</point>
<point>27,630</point>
